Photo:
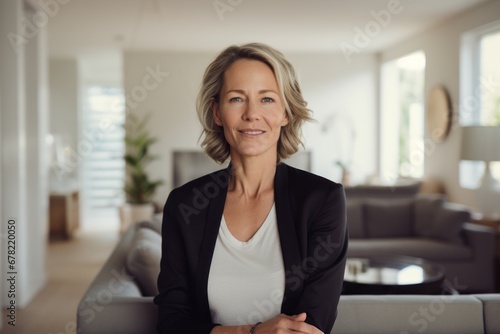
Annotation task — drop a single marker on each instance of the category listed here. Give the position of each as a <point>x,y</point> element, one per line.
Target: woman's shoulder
<point>194,197</point>
<point>209,185</point>
<point>308,191</point>
<point>307,180</point>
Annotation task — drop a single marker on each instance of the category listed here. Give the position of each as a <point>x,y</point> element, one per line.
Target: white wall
<point>63,81</point>
<point>13,134</point>
<point>37,162</point>
<point>341,95</point>
<point>23,188</point>
<point>329,84</point>
<point>171,104</point>
<point>442,49</point>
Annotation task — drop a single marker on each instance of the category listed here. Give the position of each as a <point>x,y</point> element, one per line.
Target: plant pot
<point>134,213</point>
<point>346,178</point>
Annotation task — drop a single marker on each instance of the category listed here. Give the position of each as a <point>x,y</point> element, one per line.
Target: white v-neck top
<point>246,282</point>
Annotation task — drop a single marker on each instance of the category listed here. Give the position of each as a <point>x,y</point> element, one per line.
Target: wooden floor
<point>71,266</point>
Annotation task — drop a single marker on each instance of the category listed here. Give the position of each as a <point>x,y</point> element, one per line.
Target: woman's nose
<point>251,111</point>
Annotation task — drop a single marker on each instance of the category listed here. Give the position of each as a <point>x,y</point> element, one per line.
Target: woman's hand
<point>287,324</point>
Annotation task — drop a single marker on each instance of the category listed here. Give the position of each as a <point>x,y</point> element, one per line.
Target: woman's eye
<point>235,99</point>
<point>267,100</point>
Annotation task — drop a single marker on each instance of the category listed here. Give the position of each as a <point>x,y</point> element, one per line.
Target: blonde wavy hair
<point>214,142</point>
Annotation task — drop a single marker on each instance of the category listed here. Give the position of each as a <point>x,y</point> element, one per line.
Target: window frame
<point>390,171</point>
<point>470,172</point>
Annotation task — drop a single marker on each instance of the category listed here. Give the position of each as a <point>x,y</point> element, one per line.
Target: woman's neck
<point>251,176</point>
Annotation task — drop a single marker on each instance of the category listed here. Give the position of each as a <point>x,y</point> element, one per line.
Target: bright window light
<point>412,62</point>
<point>402,118</point>
<point>480,101</point>
<point>489,47</point>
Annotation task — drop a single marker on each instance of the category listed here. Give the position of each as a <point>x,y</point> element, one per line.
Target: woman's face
<point>250,109</point>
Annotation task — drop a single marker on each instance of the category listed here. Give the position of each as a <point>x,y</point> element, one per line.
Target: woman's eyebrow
<point>241,91</point>
<point>267,91</point>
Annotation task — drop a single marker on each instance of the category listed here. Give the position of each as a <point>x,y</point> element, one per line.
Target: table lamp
<point>482,143</point>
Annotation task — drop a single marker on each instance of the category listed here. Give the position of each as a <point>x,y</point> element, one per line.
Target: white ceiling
<point>99,26</point>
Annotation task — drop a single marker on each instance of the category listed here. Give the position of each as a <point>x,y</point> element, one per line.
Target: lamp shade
<point>481,143</point>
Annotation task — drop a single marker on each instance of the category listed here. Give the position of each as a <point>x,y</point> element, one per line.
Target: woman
<point>259,246</point>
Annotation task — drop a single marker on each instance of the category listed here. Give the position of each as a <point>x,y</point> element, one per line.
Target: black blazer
<point>313,235</point>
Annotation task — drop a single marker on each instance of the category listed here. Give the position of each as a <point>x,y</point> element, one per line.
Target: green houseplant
<point>139,188</point>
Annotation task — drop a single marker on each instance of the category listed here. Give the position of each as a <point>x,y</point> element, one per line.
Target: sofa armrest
<point>491,310</point>
<point>109,290</point>
<point>481,242</point>
<point>409,314</point>
<point>113,278</point>
<point>481,239</point>
<point>124,315</point>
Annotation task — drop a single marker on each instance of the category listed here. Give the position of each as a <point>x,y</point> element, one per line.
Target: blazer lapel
<point>213,219</point>
<point>288,239</point>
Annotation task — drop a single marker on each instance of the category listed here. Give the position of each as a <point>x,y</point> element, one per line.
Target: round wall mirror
<point>438,115</point>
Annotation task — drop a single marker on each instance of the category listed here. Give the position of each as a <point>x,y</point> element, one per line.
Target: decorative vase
<point>346,177</point>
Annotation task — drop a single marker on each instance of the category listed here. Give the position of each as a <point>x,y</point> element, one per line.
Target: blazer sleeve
<point>176,305</point>
<point>327,242</point>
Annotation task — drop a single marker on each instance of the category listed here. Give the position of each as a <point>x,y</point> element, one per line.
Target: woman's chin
<point>253,154</point>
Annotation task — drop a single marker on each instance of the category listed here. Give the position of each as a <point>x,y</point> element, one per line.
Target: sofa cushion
<point>354,212</point>
<point>388,192</point>
<point>154,223</point>
<point>388,218</point>
<point>409,314</point>
<point>425,209</point>
<point>143,260</point>
<point>448,223</point>
<point>428,249</point>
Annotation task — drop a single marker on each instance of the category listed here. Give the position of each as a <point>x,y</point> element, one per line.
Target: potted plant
<point>139,188</point>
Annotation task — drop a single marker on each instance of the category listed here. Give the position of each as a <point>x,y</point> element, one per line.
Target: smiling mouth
<point>252,132</point>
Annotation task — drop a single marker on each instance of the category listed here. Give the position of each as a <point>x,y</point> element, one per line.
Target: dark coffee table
<point>389,275</point>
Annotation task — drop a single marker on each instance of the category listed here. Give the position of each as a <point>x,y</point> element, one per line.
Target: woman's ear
<point>285,119</point>
<point>215,113</point>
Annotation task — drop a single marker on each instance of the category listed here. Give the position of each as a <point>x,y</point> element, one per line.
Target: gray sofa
<point>423,226</point>
<point>120,300</point>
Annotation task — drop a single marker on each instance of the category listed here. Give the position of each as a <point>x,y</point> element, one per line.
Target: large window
<point>489,74</point>
<point>104,168</point>
<point>480,92</point>
<point>402,118</point>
